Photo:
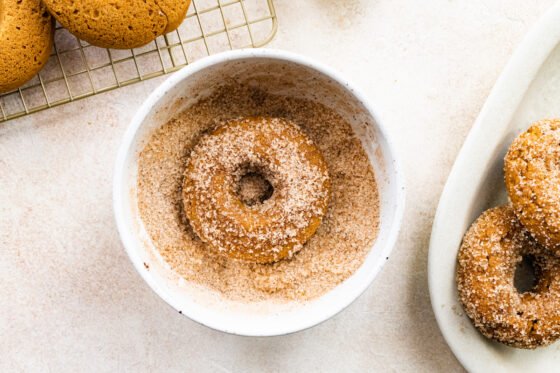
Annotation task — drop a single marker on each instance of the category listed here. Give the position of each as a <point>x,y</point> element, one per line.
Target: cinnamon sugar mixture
<point>333,254</point>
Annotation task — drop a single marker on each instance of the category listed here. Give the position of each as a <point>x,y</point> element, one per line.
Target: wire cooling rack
<point>77,70</point>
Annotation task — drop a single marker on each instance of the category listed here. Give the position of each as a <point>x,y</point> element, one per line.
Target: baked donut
<point>532,176</point>
<point>119,24</point>
<point>26,36</point>
<point>492,248</point>
<point>279,223</point>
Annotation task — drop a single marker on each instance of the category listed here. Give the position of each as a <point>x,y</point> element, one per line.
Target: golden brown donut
<point>26,39</point>
<point>119,24</point>
<point>532,176</point>
<point>487,260</point>
<point>278,225</point>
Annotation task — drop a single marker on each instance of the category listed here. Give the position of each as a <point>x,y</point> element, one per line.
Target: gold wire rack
<point>76,69</point>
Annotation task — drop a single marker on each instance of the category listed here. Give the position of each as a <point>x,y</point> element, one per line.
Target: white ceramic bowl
<point>277,72</point>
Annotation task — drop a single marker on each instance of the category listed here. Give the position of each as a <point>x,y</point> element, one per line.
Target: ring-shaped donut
<point>120,24</point>
<point>282,154</point>
<point>492,248</point>
<point>26,35</point>
<point>532,176</point>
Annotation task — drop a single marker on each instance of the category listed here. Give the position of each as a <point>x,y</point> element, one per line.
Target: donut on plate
<point>295,189</point>
<point>26,36</point>
<point>532,176</point>
<point>119,24</point>
<point>492,248</point>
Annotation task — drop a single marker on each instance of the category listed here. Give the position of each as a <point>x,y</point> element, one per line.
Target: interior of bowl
<point>276,74</point>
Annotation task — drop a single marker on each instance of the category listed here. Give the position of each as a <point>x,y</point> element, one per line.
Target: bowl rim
<point>125,148</point>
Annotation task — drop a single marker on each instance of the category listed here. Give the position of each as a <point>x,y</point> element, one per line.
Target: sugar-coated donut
<point>119,24</point>
<point>492,248</point>
<point>532,176</point>
<point>26,37</point>
<point>269,230</point>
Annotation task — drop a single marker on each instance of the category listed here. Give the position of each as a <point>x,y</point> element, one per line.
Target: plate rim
<point>508,91</point>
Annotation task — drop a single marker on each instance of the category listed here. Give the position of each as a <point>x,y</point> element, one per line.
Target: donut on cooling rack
<point>492,248</point>
<point>119,24</point>
<point>532,176</point>
<point>26,36</point>
<point>231,211</point>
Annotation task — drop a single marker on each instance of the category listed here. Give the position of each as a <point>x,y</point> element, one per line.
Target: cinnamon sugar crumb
<point>333,254</point>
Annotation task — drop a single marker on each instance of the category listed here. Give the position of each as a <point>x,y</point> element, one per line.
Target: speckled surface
<point>69,298</point>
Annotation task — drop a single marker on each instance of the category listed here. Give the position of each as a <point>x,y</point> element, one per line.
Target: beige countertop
<point>71,301</point>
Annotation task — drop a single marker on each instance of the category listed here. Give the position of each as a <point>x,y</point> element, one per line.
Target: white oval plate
<point>527,90</point>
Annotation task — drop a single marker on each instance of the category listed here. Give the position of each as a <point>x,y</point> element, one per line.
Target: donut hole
<point>525,278</point>
<point>254,188</point>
